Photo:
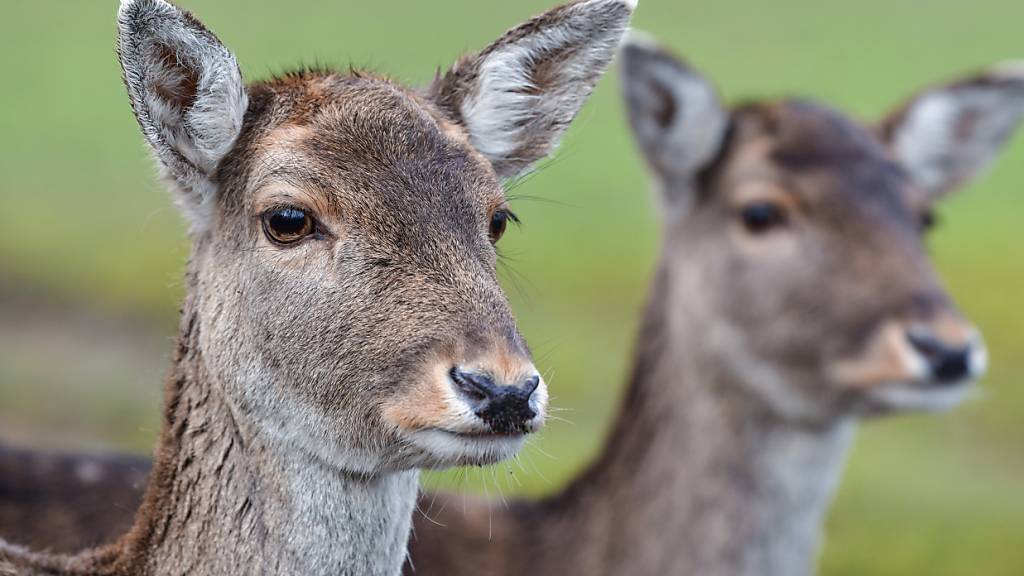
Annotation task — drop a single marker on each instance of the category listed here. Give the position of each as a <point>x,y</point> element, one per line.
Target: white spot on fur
<point>539,402</point>
<point>977,361</point>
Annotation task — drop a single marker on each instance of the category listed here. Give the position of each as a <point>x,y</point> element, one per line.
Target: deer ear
<point>517,97</point>
<point>187,94</point>
<point>947,135</point>
<point>676,115</point>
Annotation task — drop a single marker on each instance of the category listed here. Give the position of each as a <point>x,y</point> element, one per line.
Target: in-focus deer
<point>791,256</point>
<point>343,324</point>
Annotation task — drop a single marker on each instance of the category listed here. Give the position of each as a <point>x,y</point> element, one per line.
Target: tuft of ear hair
<point>516,98</point>
<point>187,93</point>
<point>676,115</point>
<point>947,135</point>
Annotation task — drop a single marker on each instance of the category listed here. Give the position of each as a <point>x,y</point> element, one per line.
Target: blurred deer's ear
<point>187,94</point>
<point>947,135</point>
<point>676,115</point>
<point>516,98</point>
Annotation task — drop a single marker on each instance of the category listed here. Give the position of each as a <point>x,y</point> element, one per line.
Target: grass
<point>83,218</point>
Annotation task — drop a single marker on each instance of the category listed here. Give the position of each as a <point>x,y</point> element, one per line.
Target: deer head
<point>344,232</point>
<point>794,234</point>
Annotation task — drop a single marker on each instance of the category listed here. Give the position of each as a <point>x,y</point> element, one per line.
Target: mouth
<point>477,448</point>
<point>482,435</point>
<point>930,396</point>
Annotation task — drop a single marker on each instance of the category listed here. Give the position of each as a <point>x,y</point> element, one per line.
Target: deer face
<point>352,257</point>
<point>795,236</point>
<point>344,230</point>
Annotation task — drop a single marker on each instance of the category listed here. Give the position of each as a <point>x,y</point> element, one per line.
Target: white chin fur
<point>445,449</point>
<point>914,397</point>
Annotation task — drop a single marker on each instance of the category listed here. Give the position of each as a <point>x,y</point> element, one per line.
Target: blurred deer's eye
<point>287,225</point>
<point>499,221</point>
<point>761,217</point>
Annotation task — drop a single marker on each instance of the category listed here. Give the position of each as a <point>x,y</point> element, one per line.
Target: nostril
<point>924,343</point>
<point>953,366</point>
<point>477,388</point>
<point>531,384</point>
<point>947,364</point>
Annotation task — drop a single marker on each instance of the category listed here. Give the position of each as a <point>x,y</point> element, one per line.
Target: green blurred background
<point>92,250</point>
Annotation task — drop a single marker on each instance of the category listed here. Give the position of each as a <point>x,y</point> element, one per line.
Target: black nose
<point>948,364</point>
<point>506,409</point>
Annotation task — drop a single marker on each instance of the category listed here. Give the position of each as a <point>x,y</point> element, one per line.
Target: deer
<point>343,325</point>
<point>793,298</point>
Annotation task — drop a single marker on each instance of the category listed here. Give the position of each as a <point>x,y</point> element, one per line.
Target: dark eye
<point>760,217</point>
<point>499,221</point>
<point>287,225</point>
<point>929,220</point>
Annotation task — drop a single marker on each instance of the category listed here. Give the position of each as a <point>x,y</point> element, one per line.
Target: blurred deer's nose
<point>507,409</point>
<point>948,362</point>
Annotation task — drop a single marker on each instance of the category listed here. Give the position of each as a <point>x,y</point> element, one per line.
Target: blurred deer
<point>343,324</point>
<point>793,297</point>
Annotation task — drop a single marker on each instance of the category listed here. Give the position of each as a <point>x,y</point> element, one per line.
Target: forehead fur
<point>358,138</point>
<point>802,139</point>
<point>805,132</point>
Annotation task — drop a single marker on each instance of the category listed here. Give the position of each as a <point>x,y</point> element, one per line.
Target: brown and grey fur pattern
<point>312,376</point>
<point>756,353</point>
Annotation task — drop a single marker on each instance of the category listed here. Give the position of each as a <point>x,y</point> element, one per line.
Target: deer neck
<point>699,476</point>
<point>225,499</point>
<point>222,499</point>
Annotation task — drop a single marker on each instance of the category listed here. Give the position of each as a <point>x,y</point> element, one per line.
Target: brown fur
<point>679,488</point>
<point>682,486</point>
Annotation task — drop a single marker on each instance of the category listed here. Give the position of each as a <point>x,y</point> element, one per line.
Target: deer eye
<point>761,217</point>
<point>287,225</point>
<point>499,221</point>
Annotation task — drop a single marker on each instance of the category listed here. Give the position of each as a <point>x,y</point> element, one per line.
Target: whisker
<point>542,451</point>
<point>560,419</point>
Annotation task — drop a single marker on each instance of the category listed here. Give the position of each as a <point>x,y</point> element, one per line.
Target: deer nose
<point>948,363</point>
<point>506,409</point>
